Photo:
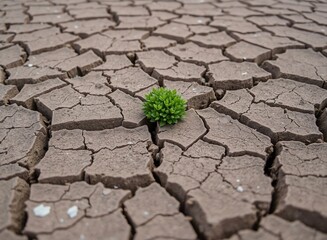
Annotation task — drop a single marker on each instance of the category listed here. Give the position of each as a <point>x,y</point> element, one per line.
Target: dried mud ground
<point>78,160</point>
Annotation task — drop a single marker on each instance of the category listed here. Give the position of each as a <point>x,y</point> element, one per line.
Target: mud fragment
<point>14,193</point>
<point>243,51</point>
<point>15,122</point>
<point>290,94</point>
<point>6,93</point>
<point>231,76</point>
<point>131,109</point>
<point>93,113</point>
<point>182,71</point>
<point>63,166</point>
<point>157,42</point>
<point>166,227</point>
<point>304,65</point>
<point>174,31</point>
<point>12,57</point>
<point>190,52</point>
<point>300,177</point>
<point>85,28</point>
<point>93,83</point>
<point>30,74</point>
<point>114,62</point>
<point>220,40</point>
<point>155,60</point>
<point>126,167</point>
<point>115,138</point>
<point>239,139</point>
<point>277,123</point>
<point>94,227</point>
<point>149,203</point>
<point>179,133</point>
<point>65,97</point>
<point>26,96</point>
<point>131,80</point>
<point>197,96</point>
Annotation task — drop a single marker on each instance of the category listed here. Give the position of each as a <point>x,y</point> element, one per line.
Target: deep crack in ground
<point>248,161</point>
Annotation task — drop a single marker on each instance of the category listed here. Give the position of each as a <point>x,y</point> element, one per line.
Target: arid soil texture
<point>78,159</point>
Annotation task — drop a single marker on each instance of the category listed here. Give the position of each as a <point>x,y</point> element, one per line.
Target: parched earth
<point>79,160</point>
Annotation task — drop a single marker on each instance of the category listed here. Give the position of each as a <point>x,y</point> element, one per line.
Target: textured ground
<point>78,160</point>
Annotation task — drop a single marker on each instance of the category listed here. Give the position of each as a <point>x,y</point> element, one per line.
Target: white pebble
<point>238,180</point>
<point>145,213</point>
<point>240,189</point>
<point>72,211</point>
<point>30,65</point>
<point>244,73</point>
<point>41,210</point>
<point>115,187</point>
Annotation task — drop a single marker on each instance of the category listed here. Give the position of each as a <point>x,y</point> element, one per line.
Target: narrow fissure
<point>157,159</point>
<point>181,208</point>
<point>129,221</point>
<point>268,171</point>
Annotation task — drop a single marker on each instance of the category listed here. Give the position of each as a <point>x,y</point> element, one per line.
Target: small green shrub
<point>164,106</point>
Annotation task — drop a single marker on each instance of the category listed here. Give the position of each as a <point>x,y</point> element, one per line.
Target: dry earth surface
<point>78,159</point>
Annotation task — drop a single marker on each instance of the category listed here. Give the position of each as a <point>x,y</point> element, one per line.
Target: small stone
<point>240,189</point>
<point>72,211</point>
<point>41,210</point>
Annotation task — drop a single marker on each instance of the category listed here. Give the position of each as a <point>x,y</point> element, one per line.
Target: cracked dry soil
<point>78,159</point>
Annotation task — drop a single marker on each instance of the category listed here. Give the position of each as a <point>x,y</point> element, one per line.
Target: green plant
<point>164,106</point>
